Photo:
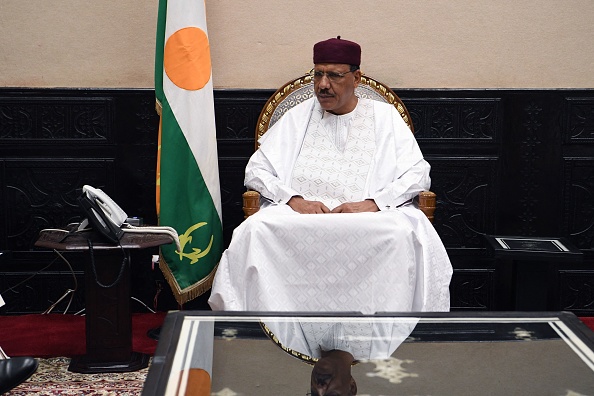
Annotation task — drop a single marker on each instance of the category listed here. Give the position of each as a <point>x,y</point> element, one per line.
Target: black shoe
<point>14,371</point>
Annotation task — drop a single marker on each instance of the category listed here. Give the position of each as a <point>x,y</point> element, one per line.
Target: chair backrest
<point>302,88</point>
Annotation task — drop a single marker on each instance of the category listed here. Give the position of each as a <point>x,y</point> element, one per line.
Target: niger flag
<point>188,191</point>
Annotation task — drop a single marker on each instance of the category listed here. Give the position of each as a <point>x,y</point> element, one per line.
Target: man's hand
<point>356,207</point>
<point>303,206</point>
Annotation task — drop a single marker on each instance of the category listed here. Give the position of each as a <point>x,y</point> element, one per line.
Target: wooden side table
<point>107,297</point>
<point>527,270</point>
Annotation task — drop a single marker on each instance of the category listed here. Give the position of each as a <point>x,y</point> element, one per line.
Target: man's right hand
<point>303,206</point>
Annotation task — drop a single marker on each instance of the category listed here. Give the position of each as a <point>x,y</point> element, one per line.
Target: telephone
<point>110,220</point>
<point>103,213</point>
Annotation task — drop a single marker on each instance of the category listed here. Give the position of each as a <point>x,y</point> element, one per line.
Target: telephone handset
<point>103,213</point>
<point>110,220</point>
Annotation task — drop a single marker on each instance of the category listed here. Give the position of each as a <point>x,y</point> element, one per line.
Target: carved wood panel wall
<point>508,162</point>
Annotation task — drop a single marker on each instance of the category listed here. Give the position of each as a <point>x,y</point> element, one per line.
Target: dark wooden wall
<point>505,162</point>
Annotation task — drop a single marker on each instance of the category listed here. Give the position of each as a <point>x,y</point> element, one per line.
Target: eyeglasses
<point>332,76</point>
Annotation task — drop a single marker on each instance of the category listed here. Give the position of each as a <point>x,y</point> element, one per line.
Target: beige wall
<point>261,44</point>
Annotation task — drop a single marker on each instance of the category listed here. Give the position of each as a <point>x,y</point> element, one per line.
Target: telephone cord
<point>122,267</point>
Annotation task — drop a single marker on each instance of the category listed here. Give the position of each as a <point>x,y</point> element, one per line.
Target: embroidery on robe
<point>325,173</point>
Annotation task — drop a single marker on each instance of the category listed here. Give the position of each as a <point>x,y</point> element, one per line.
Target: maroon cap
<point>337,50</point>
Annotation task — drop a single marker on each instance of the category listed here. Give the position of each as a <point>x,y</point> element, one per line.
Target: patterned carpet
<point>52,378</point>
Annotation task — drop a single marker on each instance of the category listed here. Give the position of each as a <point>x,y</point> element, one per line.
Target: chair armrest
<point>251,203</point>
<point>427,203</point>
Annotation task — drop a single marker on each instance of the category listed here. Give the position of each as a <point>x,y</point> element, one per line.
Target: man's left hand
<point>356,207</point>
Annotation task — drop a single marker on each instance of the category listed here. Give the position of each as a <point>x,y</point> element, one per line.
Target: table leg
<point>108,316</point>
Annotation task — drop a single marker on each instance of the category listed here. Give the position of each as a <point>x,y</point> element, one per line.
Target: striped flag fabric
<point>188,190</point>
<point>191,368</point>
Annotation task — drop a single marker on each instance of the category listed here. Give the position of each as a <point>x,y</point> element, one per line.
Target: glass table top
<point>505,353</point>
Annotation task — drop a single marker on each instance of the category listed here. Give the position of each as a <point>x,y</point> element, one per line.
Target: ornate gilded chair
<point>301,89</point>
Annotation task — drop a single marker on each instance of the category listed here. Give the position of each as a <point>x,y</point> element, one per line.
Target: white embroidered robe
<point>368,339</point>
<point>387,261</point>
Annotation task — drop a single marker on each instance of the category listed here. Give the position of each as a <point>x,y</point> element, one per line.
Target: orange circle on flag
<point>198,382</point>
<point>186,58</point>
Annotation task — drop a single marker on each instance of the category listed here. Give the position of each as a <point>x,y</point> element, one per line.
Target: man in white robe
<point>333,345</point>
<point>370,339</point>
<point>337,230</point>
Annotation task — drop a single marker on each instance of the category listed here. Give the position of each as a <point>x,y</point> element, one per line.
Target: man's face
<point>332,378</point>
<point>334,87</point>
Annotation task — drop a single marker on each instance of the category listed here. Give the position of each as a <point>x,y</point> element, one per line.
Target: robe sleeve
<point>401,172</point>
<point>262,176</point>
<point>270,168</point>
